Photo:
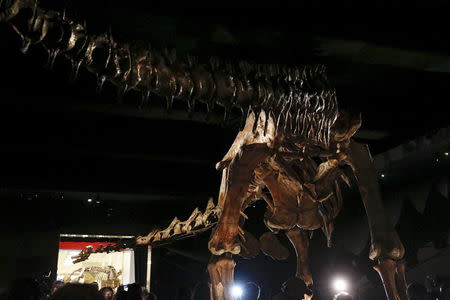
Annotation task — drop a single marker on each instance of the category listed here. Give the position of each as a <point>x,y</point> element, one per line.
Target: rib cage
<point>300,99</point>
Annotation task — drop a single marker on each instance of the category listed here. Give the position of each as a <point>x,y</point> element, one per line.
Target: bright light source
<point>237,291</point>
<point>340,285</point>
<point>446,153</point>
<point>97,202</point>
<point>382,175</point>
<point>89,200</point>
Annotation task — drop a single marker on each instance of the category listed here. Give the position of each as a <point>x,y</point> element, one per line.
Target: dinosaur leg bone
<point>221,274</point>
<point>234,193</point>
<point>386,245</point>
<point>400,281</point>
<point>272,247</point>
<point>300,240</point>
<point>392,275</point>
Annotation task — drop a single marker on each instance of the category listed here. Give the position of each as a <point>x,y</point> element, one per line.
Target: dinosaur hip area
<point>285,218</point>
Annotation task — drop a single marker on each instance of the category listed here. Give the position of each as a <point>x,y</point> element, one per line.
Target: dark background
<point>61,143</point>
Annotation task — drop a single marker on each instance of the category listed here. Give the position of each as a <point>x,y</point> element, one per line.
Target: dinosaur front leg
<point>221,274</point>
<point>386,245</point>
<point>300,240</point>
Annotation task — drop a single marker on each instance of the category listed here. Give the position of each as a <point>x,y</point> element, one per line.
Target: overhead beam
<point>96,193</point>
<point>71,152</point>
<point>373,54</point>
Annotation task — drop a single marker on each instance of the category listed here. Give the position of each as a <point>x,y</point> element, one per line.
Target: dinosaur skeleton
<point>289,153</point>
<point>104,276</point>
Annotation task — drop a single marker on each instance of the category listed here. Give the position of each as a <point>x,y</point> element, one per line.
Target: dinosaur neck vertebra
<point>299,99</point>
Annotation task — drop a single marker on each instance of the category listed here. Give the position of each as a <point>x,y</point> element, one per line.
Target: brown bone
<point>221,273</point>
<point>387,269</point>
<point>272,247</point>
<point>250,247</point>
<point>385,242</point>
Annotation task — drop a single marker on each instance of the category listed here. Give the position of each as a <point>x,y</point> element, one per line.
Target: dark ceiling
<point>61,143</point>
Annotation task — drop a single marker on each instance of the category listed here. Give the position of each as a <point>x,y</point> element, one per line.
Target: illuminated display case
<point>104,269</point>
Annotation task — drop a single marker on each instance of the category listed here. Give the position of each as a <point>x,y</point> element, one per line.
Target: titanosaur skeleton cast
<point>290,152</point>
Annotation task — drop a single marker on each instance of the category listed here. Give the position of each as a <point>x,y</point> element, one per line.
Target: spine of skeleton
<point>197,223</point>
<point>299,99</point>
